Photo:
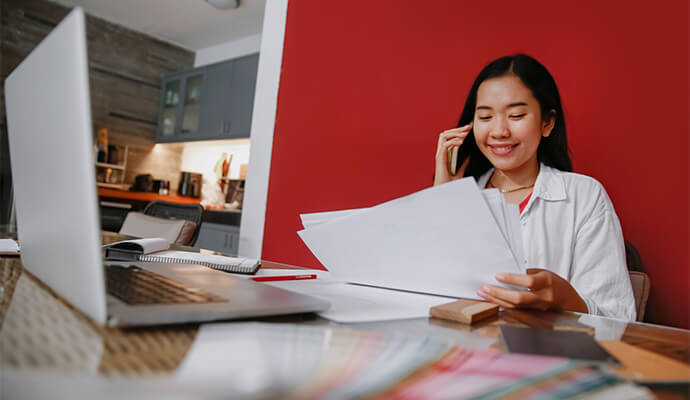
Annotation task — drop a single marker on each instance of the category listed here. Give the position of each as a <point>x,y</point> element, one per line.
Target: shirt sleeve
<point>599,272</point>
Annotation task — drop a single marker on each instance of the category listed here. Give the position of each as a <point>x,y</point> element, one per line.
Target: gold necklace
<point>504,191</point>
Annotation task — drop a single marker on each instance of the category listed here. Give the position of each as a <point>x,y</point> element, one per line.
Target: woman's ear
<point>548,122</point>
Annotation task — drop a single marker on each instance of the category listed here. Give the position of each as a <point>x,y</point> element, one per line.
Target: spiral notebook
<point>157,250</point>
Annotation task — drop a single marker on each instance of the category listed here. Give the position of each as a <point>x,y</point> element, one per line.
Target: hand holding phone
<point>447,153</point>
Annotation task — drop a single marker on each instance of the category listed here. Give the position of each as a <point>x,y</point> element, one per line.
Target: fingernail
<point>486,289</point>
<point>500,277</point>
<point>481,292</point>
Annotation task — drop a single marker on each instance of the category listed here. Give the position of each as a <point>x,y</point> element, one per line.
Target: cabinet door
<point>241,100</point>
<point>191,105</point>
<point>223,238</point>
<point>169,121</point>
<point>216,123</point>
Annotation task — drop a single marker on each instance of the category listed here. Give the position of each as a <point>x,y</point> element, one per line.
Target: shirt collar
<point>548,186</point>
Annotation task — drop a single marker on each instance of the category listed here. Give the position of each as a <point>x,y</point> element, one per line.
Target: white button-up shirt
<point>569,227</point>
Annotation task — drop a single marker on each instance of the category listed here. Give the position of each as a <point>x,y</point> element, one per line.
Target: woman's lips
<point>502,149</point>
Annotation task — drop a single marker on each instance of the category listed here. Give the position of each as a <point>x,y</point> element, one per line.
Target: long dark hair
<point>552,150</point>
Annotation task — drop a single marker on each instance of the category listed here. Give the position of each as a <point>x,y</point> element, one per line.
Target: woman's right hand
<point>447,140</point>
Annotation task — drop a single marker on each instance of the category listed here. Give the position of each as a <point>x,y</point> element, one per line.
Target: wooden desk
<point>47,334</point>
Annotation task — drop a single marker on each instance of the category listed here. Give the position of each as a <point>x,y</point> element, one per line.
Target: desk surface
<point>71,342</point>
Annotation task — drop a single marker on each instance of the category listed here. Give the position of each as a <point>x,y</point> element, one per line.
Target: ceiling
<point>193,24</point>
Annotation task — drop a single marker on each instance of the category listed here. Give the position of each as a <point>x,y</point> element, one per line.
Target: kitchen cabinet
<point>209,102</point>
<point>218,237</point>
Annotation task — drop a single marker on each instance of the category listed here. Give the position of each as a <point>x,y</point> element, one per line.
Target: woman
<point>512,137</point>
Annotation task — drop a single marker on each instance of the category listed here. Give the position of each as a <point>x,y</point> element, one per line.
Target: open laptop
<point>51,151</point>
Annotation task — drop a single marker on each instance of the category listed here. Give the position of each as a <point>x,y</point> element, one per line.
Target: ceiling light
<point>224,4</point>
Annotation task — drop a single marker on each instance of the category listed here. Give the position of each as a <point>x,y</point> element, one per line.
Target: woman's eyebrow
<point>511,105</point>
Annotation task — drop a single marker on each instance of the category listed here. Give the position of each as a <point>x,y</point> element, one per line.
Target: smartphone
<point>455,158</point>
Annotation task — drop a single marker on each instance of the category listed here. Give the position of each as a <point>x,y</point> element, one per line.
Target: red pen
<point>283,278</point>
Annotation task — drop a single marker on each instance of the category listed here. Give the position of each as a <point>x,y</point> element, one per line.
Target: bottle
<point>102,144</point>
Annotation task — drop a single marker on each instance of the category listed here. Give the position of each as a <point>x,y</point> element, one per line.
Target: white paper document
<point>8,247</point>
<point>355,303</point>
<point>444,240</point>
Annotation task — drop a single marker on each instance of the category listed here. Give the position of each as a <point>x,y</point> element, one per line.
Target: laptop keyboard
<point>134,285</point>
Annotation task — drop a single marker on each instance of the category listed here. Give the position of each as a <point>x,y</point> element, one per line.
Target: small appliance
<point>190,184</point>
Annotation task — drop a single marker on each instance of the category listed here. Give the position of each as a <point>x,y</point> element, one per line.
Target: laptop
<point>51,152</point>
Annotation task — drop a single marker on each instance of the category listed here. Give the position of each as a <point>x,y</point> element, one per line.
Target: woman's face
<point>508,124</point>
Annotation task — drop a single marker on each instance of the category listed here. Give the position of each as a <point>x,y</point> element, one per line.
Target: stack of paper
<point>446,240</point>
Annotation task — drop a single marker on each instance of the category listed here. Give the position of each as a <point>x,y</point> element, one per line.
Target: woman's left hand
<point>546,291</point>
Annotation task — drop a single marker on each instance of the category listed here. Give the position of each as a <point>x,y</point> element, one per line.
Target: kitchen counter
<point>115,204</point>
<point>223,217</point>
<point>145,196</point>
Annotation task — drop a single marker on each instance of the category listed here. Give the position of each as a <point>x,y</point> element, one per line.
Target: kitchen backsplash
<point>201,157</point>
<point>161,161</point>
<point>166,160</point>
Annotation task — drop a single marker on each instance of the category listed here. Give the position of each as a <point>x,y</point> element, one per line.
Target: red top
<point>523,203</point>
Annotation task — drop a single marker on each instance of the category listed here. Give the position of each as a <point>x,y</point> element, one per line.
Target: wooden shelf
<point>113,166</point>
<point>111,185</point>
<point>113,175</point>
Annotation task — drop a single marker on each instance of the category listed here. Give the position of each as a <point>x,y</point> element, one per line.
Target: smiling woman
<point>511,136</point>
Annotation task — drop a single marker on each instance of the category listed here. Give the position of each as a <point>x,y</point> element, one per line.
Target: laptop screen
<point>51,154</point>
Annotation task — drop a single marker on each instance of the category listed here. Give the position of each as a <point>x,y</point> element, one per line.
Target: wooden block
<point>464,311</point>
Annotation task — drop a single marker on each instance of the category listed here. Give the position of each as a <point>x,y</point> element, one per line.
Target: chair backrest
<point>168,210</point>
<point>179,231</point>
<point>638,279</point>
<point>640,286</point>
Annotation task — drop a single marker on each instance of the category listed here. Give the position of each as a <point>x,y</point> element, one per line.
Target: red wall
<point>366,89</point>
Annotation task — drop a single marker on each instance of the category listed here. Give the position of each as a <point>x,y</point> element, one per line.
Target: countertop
<point>145,196</point>
<point>224,217</point>
<point>215,216</point>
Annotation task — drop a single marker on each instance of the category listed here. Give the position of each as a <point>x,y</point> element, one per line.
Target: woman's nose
<point>499,128</point>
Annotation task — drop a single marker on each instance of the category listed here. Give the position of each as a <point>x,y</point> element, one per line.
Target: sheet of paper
<point>494,199</point>
<point>515,234</point>
<point>265,272</point>
<point>357,303</point>
<point>504,215</point>
<point>442,240</point>
<point>313,219</point>
<point>8,247</point>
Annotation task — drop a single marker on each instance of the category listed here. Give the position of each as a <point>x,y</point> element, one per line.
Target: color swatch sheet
<point>315,362</point>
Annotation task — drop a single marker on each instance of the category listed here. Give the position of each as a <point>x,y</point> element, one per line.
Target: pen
<point>283,278</point>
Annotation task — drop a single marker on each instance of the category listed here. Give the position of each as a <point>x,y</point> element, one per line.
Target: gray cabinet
<point>210,102</point>
<point>218,237</point>
<point>180,109</point>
